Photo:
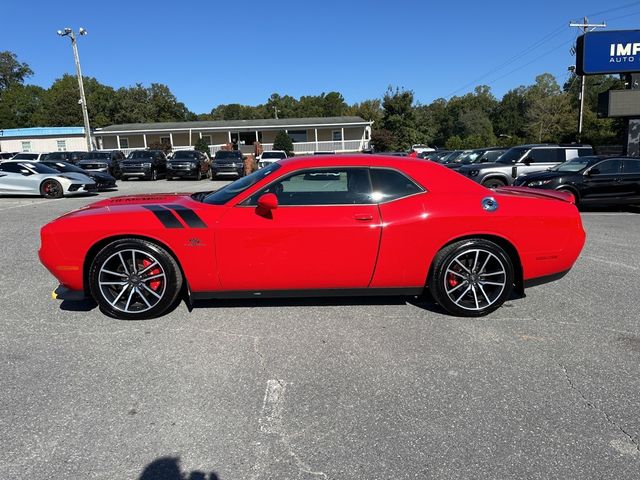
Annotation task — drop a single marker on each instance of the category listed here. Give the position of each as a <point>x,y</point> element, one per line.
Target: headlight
<point>146,164</point>
<point>538,183</point>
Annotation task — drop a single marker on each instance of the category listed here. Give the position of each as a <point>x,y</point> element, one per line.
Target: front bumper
<point>228,169</point>
<point>182,171</point>
<point>63,293</point>
<point>79,189</point>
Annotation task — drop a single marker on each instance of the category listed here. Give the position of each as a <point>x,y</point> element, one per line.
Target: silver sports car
<point>33,178</point>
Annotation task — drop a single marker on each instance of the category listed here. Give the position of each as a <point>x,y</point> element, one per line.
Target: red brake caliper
<point>452,280</point>
<point>154,284</point>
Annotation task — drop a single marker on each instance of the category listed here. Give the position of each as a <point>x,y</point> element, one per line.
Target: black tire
<point>51,189</point>
<point>199,175</point>
<point>494,183</point>
<point>127,302</point>
<point>124,178</point>
<point>458,284</point>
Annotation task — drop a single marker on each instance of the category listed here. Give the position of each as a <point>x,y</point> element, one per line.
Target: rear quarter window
<point>390,185</point>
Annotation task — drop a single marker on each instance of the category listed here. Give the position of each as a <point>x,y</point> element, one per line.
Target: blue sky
<point>211,52</point>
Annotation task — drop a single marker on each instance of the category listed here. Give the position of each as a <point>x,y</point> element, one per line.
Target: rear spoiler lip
<point>563,196</point>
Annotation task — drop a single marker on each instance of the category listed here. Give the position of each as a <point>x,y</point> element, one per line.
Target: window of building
<point>297,135</point>
<point>336,135</point>
<point>26,146</point>
<point>165,140</point>
<point>124,142</point>
<point>62,145</point>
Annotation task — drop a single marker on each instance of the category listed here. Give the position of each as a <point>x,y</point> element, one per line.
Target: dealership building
<point>335,134</point>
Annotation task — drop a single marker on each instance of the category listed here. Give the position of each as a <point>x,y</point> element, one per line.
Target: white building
<point>42,139</point>
<point>336,134</point>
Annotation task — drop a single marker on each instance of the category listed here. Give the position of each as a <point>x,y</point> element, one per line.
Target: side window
<point>546,155</point>
<point>631,166</point>
<point>331,186</point>
<point>390,184</point>
<point>10,167</point>
<point>608,167</point>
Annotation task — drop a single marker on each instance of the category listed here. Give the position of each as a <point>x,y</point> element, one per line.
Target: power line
<point>627,15</point>
<point>513,59</point>
<point>621,7</point>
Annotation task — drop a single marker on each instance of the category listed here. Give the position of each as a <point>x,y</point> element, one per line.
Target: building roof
<point>41,132</point>
<point>239,124</point>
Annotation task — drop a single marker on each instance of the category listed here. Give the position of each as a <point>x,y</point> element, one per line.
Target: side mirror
<point>268,202</point>
<point>527,161</point>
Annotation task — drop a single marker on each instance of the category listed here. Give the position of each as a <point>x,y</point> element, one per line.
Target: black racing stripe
<point>168,219</point>
<point>190,217</point>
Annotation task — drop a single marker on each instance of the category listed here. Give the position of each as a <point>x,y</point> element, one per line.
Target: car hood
<point>545,175</point>
<point>136,160</point>
<point>80,177</point>
<point>101,177</point>
<point>142,199</point>
<point>89,161</point>
<point>182,160</point>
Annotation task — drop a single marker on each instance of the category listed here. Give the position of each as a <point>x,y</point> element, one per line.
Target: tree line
<point>542,112</point>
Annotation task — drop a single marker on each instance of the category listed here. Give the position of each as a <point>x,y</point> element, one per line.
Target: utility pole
<point>275,108</point>
<point>67,32</point>
<point>586,27</point>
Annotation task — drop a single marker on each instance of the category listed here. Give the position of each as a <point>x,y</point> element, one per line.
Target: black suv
<point>147,164</point>
<point>523,159</point>
<point>103,161</point>
<point>228,163</point>
<point>188,163</point>
<point>594,181</point>
<point>71,157</point>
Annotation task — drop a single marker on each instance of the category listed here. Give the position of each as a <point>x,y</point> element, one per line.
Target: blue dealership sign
<point>615,51</point>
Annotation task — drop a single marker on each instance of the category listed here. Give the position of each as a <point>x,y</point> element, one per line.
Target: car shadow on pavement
<point>78,305</point>
<point>168,468</point>
<point>423,302</point>
<point>621,208</point>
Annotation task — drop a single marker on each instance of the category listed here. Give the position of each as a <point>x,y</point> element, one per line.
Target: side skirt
<point>329,292</point>
<point>534,282</point>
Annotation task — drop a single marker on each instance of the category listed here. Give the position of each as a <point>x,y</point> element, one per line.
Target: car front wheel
<point>471,278</point>
<point>494,183</point>
<point>51,189</point>
<point>133,279</point>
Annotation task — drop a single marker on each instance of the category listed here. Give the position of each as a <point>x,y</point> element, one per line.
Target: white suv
<point>267,158</point>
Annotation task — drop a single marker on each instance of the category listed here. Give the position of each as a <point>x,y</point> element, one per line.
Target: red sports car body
<point>341,225</point>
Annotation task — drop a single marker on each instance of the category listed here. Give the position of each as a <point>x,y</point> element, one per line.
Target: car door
<point>602,182</point>
<point>324,234</point>
<point>15,178</point>
<point>631,178</point>
<point>539,159</point>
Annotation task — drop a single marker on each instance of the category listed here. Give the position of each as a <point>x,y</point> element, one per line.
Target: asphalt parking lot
<point>546,387</point>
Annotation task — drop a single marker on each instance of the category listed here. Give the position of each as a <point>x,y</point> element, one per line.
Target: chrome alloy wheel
<point>475,279</point>
<point>132,281</point>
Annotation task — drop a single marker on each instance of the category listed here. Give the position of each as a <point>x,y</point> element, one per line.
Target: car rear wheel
<point>133,279</point>
<point>471,278</point>
<point>51,189</point>
<point>494,183</point>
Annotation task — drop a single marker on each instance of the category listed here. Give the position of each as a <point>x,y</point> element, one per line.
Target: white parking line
<point>29,204</point>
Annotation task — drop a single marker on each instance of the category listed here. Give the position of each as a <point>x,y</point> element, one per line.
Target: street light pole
<point>585,26</point>
<point>67,32</point>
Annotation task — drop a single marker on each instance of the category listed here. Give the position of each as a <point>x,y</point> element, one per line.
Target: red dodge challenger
<point>317,226</point>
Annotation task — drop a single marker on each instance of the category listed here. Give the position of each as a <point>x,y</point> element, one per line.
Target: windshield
<point>575,165</point>
<point>64,167</point>
<point>26,156</point>
<point>491,156</point>
<point>222,196</point>
<point>469,158</point>
<point>221,154</point>
<point>34,167</point>
<point>274,155</point>
<point>141,154</point>
<point>183,154</point>
<point>512,155</point>
<point>97,156</point>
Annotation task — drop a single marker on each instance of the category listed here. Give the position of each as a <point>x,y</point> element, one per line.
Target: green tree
<point>399,118</point>
<point>283,142</point>
<point>549,114</point>
<point>383,140</point>
<point>454,143</point>
<point>370,110</point>
<point>201,146</point>
<point>12,71</point>
<point>21,106</point>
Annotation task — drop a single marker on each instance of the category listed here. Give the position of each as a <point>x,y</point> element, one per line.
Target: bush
<point>201,146</point>
<point>283,142</point>
<point>454,143</point>
<point>165,147</point>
